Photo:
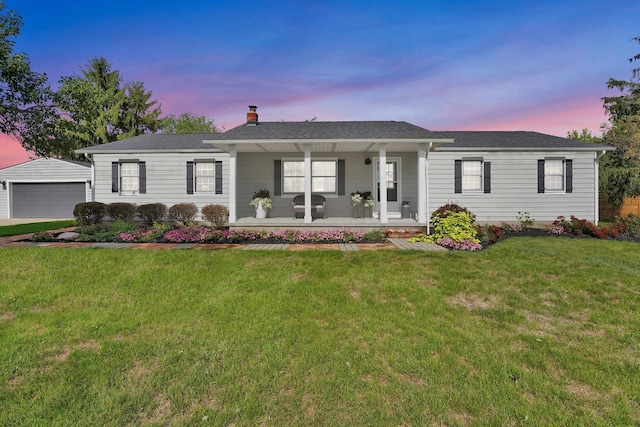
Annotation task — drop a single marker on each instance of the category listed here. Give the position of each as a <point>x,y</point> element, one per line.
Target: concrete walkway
<point>402,244</point>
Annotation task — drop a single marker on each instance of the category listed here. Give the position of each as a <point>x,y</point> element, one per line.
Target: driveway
<point>14,221</point>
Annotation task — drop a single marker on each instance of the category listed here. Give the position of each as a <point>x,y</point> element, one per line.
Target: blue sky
<point>442,65</point>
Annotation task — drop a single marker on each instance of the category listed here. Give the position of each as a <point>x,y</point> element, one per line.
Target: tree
<point>584,135</point>
<point>26,107</point>
<point>188,123</point>
<point>97,109</point>
<point>139,114</point>
<point>620,170</point>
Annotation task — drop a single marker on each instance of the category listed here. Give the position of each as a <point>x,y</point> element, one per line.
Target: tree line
<point>93,107</point>
<point>620,169</point>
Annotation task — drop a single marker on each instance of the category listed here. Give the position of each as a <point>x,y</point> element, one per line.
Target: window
<point>204,176</point>
<point>472,176</point>
<point>128,177</point>
<point>205,179</point>
<point>293,176</point>
<point>323,176</point>
<point>555,176</point>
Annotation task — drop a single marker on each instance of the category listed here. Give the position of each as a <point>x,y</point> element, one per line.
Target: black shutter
<point>115,178</point>
<point>568,168</point>
<point>540,176</point>
<point>458,176</point>
<point>277,180</point>
<point>218,173</point>
<point>341,177</point>
<point>487,177</point>
<point>142,172</point>
<point>189,177</point>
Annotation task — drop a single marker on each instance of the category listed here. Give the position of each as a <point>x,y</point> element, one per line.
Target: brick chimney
<point>252,116</point>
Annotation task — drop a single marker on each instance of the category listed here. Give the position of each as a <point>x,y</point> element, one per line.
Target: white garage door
<point>47,200</point>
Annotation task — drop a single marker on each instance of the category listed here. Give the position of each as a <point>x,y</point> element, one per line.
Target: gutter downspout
<point>596,214</point>
<point>92,185</point>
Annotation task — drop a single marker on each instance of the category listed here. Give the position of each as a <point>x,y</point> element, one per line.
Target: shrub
<point>121,211</point>
<point>89,212</point>
<point>577,227</point>
<point>454,230</point>
<point>489,234</point>
<point>152,212</point>
<point>631,224</point>
<point>184,213</point>
<point>525,219</point>
<point>44,236</point>
<point>218,215</point>
<point>376,235</point>
<point>451,208</point>
<point>121,226</point>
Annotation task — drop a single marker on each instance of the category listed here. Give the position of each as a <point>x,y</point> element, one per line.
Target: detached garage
<point>44,188</point>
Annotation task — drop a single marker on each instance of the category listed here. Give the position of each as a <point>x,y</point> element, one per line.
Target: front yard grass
<point>539,331</point>
<point>34,227</point>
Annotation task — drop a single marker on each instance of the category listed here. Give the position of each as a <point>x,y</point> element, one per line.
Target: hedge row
<point>184,213</point>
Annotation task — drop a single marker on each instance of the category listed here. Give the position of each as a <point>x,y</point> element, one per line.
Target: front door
<point>393,184</point>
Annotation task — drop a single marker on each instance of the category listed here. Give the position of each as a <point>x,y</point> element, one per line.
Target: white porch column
<point>382,180</point>
<point>307,186</point>
<point>233,167</point>
<point>422,185</point>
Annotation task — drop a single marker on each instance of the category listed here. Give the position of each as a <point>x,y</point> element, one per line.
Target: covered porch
<point>360,164</point>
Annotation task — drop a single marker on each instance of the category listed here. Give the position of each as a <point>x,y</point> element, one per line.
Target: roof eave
<point>166,150</point>
<point>585,149</point>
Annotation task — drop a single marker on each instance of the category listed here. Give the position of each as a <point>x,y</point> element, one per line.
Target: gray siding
<point>513,183</point>
<point>256,171</point>
<point>166,179</point>
<point>41,170</point>
<point>514,186</point>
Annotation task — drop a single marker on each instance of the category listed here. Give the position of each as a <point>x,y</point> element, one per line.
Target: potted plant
<point>261,201</point>
<point>367,198</point>
<point>362,198</point>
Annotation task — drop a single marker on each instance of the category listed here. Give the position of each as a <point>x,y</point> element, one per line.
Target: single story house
<point>496,175</point>
<point>44,188</point>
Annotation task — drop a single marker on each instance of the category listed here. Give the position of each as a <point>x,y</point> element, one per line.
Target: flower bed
<point>128,232</point>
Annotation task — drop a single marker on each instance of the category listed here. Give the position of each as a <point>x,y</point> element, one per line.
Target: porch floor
<point>356,224</point>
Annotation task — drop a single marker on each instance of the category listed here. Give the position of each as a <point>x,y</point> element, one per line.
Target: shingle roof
<point>345,131</point>
<point>327,130</point>
<point>159,142</point>
<point>512,139</point>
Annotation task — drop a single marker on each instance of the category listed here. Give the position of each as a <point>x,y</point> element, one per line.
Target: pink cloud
<point>11,152</point>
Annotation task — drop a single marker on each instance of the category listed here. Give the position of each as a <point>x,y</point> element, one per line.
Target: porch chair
<point>318,204</point>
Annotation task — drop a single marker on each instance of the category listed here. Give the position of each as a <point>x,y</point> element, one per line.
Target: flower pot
<point>260,211</point>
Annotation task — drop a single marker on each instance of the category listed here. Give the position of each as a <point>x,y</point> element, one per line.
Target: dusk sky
<point>443,65</point>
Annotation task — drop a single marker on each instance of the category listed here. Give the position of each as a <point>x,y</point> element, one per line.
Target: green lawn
<point>34,227</point>
<point>532,331</point>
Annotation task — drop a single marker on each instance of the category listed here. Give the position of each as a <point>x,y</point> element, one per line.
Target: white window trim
<point>195,176</point>
<point>123,192</point>
<point>563,176</point>
<point>473,191</point>
<point>290,195</point>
